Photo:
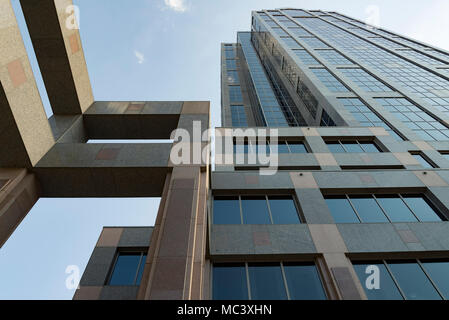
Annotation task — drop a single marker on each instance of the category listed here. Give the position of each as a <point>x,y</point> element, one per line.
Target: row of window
<point>282,210</point>
<point>283,147</point>
<point>255,210</point>
<point>382,209</point>
<point>267,281</point>
<point>381,280</point>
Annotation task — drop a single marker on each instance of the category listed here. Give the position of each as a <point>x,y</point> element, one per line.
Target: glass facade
<point>128,269</point>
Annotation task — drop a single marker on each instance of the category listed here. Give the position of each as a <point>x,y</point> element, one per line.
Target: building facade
<point>359,127</point>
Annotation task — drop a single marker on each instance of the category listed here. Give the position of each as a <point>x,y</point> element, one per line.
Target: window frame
<point>358,141</point>
<point>142,251</point>
<point>267,201</point>
<point>401,196</point>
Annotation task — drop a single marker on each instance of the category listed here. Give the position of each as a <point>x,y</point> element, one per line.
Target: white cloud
<point>432,24</point>
<point>176,5</point>
<point>140,57</point>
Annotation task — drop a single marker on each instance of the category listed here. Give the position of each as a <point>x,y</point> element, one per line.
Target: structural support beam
<point>25,135</point>
<point>19,192</point>
<point>57,44</point>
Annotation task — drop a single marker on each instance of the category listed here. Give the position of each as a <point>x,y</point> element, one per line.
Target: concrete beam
<point>60,55</point>
<point>19,192</point>
<point>25,135</point>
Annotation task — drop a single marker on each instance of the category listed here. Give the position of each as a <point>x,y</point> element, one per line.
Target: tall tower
<point>363,156</point>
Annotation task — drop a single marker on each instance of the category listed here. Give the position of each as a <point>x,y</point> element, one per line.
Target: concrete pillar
<point>19,192</point>
<point>25,135</point>
<point>175,261</point>
<point>57,44</point>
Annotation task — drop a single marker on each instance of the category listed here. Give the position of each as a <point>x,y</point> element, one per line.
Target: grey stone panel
<point>366,159</point>
<point>367,179</point>
<point>250,181</point>
<point>432,236</point>
<point>313,206</point>
<point>98,267</point>
<point>317,145</point>
<point>136,237</point>
<point>362,238</point>
<point>119,293</point>
<point>233,240</point>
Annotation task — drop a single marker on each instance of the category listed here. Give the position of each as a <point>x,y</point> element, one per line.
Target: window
<point>382,209</point>
<point>233,77</point>
<point>408,279</point>
<point>290,147</point>
<point>231,64</point>
<point>445,155</point>
<point>421,123</point>
<point>423,161</point>
<point>365,116</point>
<point>352,147</point>
<point>291,43</point>
<point>267,281</point>
<point>235,94</point>
<point>279,210</point>
<point>238,116</point>
<point>328,79</point>
<point>365,81</point>
<point>306,58</point>
<point>326,120</point>
<point>314,42</point>
<point>128,269</point>
<point>333,57</point>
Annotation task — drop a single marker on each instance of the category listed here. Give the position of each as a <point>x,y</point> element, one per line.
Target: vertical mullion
<point>342,145</point>
<point>353,208</point>
<point>394,280</point>
<point>248,284</point>
<point>381,208</point>
<point>360,145</point>
<point>241,209</point>
<point>400,196</point>
<point>288,147</point>
<point>138,268</point>
<point>430,279</point>
<point>269,209</point>
<point>285,280</point>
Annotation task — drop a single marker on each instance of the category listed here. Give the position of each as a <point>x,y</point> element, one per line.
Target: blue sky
<point>156,50</point>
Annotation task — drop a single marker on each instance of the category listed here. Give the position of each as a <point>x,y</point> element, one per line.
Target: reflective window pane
<point>303,282</point>
<point>266,282</point>
<point>422,209</point>
<point>368,209</point>
<point>282,147</point>
<point>438,271</point>
<point>352,147</point>
<point>255,210</point>
<point>141,268</point>
<point>125,269</point>
<point>283,210</point>
<point>341,210</point>
<point>396,209</point>
<point>229,282</point>
<point>335,147</point>
<point>413,282</point>
<point>387,288</point>
<point>369,147</point>
<point>424,163</point>
<point>226,210</point>
<point>297,147</point>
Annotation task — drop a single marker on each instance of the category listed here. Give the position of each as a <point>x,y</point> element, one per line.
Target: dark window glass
<point>396,209</point>
<point>341,210</point>
<point>283,210</point>
<point>387,288</point>
<point>125,269</point>
<point>282,147</point>
<point>424,163</point>
<point>368,209</point>
<point>335,147</point>
<point>141,268</point>
<point>438,271</point>
<point>297,147</point>
<point>303,282</point>
<point>422,209</point>
<point>229,282</point>
<point>352,147</point>
<point>226,210</point>
<point>266,282</point>
<point>255,210</point>
<point>413,282</point>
